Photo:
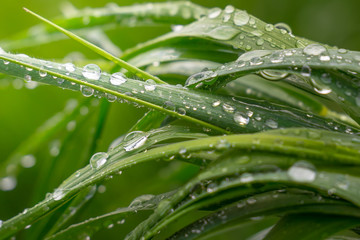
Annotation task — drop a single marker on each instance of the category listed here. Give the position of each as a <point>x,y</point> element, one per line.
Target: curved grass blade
<point>149,14</point>
<point>227,114</point>
<point>92,225</point>
<point>310,226</point>
<point>264,205</point>
<point>323,77</point>
<point>309,149</point>
<point>242,180</point>
<point>237,28</point>
<point>105,54</point>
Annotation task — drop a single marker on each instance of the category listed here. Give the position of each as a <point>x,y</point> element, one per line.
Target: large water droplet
<point>92,72</point>
<point>241,118</point>
<point>117,79</point>
<point>98,160</point>
<point>314,49</point>
<point>241,18</point>
<point>273,75</point>
<point>302,171</point>
<point>134,140</point>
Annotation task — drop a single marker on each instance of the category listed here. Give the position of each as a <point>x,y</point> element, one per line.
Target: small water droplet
<point>216,103</point>
<point>42,73</point>
<point>28,78</point>
<point>241,18</point>
<point>306,71</point>
<point>98,160</point>
<point>214,13</point>
<point>283,26</point>
<point>117,79</point>
<point>70,67</point>
<point>241,118</point>
<point>271,123</point>
<point>86,91</point>
<point>314,49</point>
<point>229,9</point>
<point>228,108</point>
<point>58,194</point>
<point>302,171</point>
<point>8,183</point>
<point>269,27</point>
<point>28,161</point>
<point>92,72</point>
<point>324,58</point>
<point>134,140</point>
<point>150,85</point>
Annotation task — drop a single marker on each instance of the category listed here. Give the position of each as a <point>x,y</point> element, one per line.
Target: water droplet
<point>181,111</point>
<point>324,58</point>
<point>241,118</point>
<point>342,50</point>
<point>28,161</point>
<point>70,67</point>
<point>92,72</point>
<point>110,97</point>
<point>223,33</point>
<point>214,13</point>
<point>86,91</point>
<point>27,78</point>
<point>42,73</point>
<point>98,160</point>
<point>260,42</point>
<point>150,85</point>
<point>58,194</point>
<point>256,61</point>
<point>134,140</point>
<point>216,103</point>
<point>302,171</point>
<point>241,18</point>
<point>8,183</point>
<point>306,71</point>
<point>228,108</point>
<point>6,62</point>
<point>283,26</point>
<point>141,201</point>
<point>314,49</point>
<point>269,27</point>
<point>276,57</point>
<point>229,9</point>
<point>117,79</point>
<point>195,78</point>
<point>273,75</point>
<point>271,123</point>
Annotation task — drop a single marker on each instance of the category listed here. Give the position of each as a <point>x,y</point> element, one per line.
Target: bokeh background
<point>22,110</point>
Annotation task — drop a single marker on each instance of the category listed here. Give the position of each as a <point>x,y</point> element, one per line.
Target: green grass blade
<point>98,50</point>
<point>310,226</point>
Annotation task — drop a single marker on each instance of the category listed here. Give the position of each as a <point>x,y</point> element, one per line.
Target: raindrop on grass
<point>98,160</point>
<point>241,119</point>
<point>28,161</point>
<point>58,194</point>
<point>8,183</point>
<point>271,123</point>
<point>314,49</point>
<point>42,73</point>
<point>134,140</point>
<point>92,72</point>
<point>214,13</point>
<point>228,108</point>
<point>70,67</point>
<point>302,171</point>
<point>150,85</point>
<point>241,18</point>
<point>86,91</point>
<point>117,79</point>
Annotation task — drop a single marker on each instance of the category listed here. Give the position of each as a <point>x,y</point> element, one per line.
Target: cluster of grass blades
<point>268,120</point>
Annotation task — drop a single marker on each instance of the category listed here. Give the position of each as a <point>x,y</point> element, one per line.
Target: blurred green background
<point>21,110</point>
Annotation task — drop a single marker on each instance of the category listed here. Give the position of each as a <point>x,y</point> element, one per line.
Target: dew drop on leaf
<point>241,118</point>
<point>314,50</point>
<point>98,160</point>
<point>271,123</point>
<point>86,91</point>
<point>241,18</point>
<point>91,72</point>
<point>117,79</point>
<point>58,194</point>
<point>214,13</point>
<point>302,171</point>
<point>69,67</point>
<point>134,140</point>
